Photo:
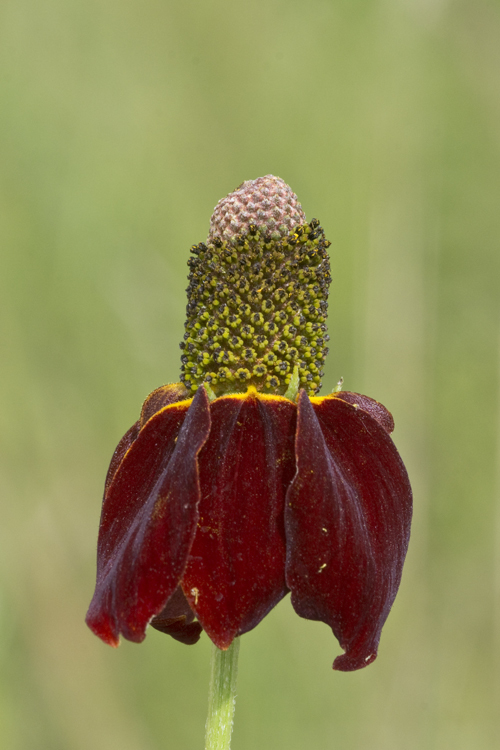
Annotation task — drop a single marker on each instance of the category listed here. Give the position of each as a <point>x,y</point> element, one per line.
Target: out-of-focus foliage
<point>121,125</point>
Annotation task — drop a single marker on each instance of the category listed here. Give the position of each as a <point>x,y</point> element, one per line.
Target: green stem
<point>222,697</point>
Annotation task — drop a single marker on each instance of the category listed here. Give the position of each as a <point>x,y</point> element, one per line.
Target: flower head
<point>241,484</point>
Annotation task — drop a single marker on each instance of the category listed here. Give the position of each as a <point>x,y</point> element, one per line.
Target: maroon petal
<point>176,619</point>
<point>122,447</point>
<point>374,408</point>
<point>347,520</point>
<point>163,396</point>
<point>148,521</point>
<point>236,568</point>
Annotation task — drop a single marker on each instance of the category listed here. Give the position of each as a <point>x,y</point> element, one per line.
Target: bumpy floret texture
<point>268,202</point>
<point>256,311</point>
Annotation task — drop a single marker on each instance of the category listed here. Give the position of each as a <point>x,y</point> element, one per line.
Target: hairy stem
<point>222,697</point>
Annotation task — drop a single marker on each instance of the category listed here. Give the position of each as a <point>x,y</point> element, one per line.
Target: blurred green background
<point>121,125</point>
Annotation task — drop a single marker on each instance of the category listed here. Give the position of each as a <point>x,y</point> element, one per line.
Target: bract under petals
<point>235,573</point>
<point>347,519</point>
<point>148,521</point>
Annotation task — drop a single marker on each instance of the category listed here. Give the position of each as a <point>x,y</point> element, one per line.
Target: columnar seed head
<point>267,202</point>
<point>257,299</point>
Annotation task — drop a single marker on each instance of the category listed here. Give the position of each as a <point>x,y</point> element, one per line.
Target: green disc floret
<point>257,300</point>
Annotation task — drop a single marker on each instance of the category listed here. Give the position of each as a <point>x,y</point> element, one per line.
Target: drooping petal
<point>235,574</point>
<point>120,450</point>
<point>161,397</point>
<point>374,408</point>
<point>176,619</point>
<point>148,521</point>
<point>158,399</point>
<point>347,519</point>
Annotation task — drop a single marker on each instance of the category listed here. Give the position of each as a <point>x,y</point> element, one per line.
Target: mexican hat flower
<point>240,484</point>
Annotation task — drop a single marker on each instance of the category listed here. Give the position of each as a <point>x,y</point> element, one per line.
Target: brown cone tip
<point>267,202</point>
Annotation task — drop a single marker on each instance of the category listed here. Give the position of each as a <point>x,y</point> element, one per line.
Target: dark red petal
<point>347,521</point>
<point>374,408</point>
<point>163,396</point>
<point>176,619</point>
<point>122,447</point>
<point>167,394</point>
<point>236,568</point>
<point>148,522</point>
